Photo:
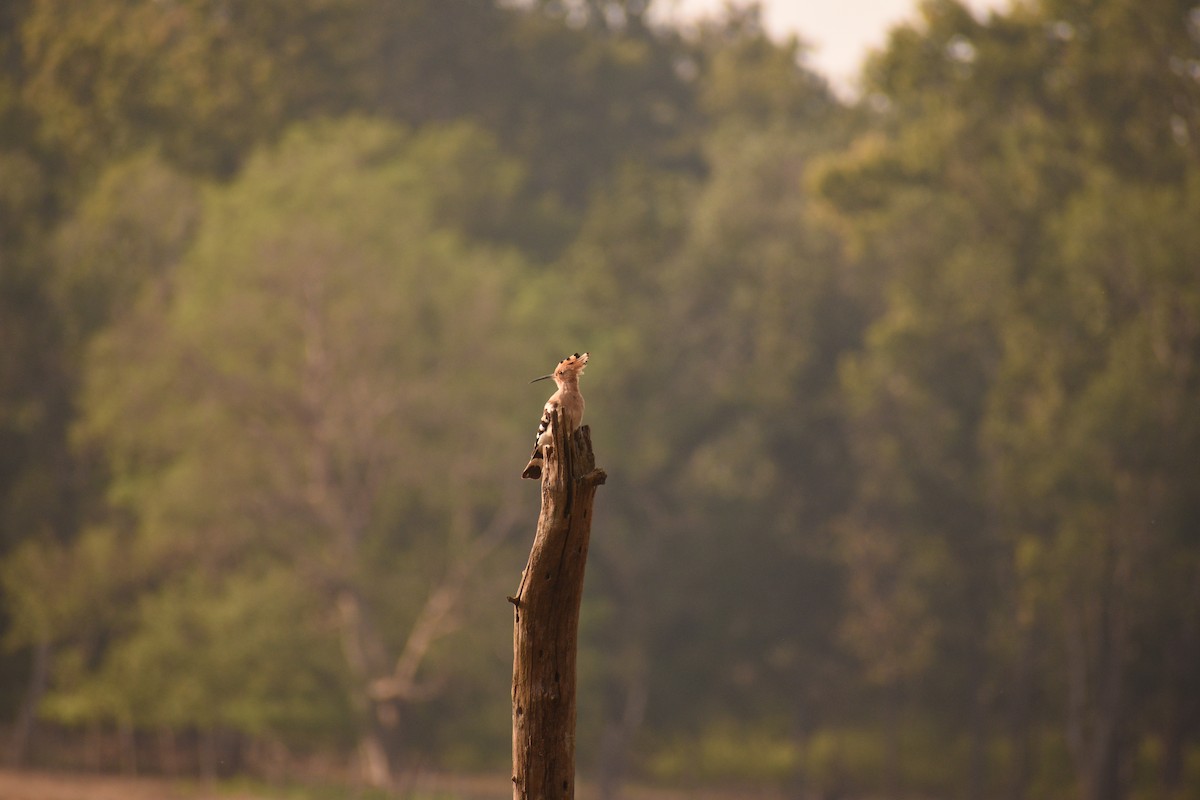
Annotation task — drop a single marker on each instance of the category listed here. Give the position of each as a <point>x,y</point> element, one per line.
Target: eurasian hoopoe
<point>568,398</point>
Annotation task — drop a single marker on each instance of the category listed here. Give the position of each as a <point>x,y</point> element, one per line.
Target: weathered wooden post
<point>546,620</point>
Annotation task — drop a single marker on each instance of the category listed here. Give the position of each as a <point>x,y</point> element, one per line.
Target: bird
<point>566,376</point>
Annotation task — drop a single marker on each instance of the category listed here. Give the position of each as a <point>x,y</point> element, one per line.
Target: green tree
<point>124,236</point>
<point>748,79</point>
<point>296,406</point>
<point>977,202</point>
<point>1098,432</point>
<point>918,541</point>
<point>720,308</point>
<point>202,80</point>
<point>128,232</point>
<point>36,492</point>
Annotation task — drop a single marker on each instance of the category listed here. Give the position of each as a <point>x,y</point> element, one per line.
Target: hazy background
<point>897,389</point>
<point>839,35</point>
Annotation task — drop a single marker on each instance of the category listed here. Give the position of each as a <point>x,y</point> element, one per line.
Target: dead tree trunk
<point>546,621</point>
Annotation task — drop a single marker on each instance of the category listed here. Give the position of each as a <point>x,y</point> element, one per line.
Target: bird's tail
<point>533,470</point>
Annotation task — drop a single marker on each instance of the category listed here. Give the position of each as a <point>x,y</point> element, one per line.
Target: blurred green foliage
<point>898,397</point>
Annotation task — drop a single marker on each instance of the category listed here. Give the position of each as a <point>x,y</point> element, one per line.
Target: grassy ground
<point>48,786</point>
<point>81,786</point>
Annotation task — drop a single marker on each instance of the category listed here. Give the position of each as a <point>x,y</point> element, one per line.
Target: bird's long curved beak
<point>544,377</point>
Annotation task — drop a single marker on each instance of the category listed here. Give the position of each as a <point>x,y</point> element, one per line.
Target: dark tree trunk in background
<point>1020,717</point>
<point>546,621</point>
<point>617,740</point>
<point>26,723</point>
<point>1183,665</point>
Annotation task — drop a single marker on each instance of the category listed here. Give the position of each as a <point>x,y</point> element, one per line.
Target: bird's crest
<point>571,365</point>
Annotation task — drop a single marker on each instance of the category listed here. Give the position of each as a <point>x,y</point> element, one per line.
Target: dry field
<point>81,786</point>
<point>68,786</point>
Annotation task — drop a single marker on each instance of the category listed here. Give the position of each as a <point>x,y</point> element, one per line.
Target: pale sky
<point>840,31</point>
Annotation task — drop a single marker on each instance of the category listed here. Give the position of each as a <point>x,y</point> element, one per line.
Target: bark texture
<point>546,621</point>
